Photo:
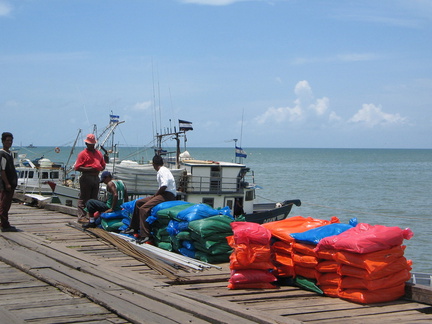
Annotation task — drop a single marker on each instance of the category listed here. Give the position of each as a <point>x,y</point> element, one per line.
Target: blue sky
<point>280,73</point>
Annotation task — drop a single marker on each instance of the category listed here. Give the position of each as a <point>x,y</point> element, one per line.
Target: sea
<point>391,187</point>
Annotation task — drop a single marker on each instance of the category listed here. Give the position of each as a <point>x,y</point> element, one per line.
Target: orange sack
<point>306,261</point>
<point>392,280</point>
<point>303,248</point>
<point>296,224</point>
<point>396,266</point>
<point>373,261</point>
<point>364,296</point>
<point>251,256</point>
<point>327,266</point>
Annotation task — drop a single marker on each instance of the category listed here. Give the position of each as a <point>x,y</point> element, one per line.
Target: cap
<point>90,139</point>
<point>104,175</point>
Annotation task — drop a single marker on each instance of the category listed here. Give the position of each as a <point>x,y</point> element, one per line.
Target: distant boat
<point>31,146</point>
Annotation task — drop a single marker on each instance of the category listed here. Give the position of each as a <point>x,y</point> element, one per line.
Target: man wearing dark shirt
<point>8,182</point>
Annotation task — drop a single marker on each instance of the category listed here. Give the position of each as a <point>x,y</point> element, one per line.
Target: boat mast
<point>71,152</point>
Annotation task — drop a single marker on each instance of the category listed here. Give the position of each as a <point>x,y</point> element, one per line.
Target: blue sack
<point>196,212</point>
<point>166,204</point>
<point>188,253</point>
<point>129,206</point>
<point>225,211</point>
<point>175,227</point>
<point>315,235</point>
<point>187,244</point>
<point>114,214</point>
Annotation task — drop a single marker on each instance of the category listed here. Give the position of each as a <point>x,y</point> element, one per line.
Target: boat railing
<point>212,185</point>
<point>419,278</point>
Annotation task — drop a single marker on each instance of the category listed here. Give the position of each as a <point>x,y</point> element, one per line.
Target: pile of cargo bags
<point>359,262</point>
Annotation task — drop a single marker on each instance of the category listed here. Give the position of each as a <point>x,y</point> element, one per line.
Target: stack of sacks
<point>372,266</point>
<point>282,249</point>
<point>320,266</point>
<point>250,263</point>
<point>160,218</point>
<point>208,237</point>
<point>305,260</point>
<point>199,231</point>
<point>114,222</point>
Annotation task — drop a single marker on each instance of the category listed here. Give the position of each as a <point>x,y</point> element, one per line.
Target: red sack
<point>365,238</point>
<point>251,276</point>
<point>247,232</point>
<point>297,224</point>
<point>255,285</point>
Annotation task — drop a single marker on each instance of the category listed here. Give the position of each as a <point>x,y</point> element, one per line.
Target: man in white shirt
<point>167,191</point>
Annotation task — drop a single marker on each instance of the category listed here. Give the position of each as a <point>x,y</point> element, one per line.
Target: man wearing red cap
<point>89,162</point>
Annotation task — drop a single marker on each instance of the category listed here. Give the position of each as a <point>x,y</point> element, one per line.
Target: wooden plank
<point>110,295</point>
<point>207,290</point>
<point>9,318</point>
<point>419,293</point>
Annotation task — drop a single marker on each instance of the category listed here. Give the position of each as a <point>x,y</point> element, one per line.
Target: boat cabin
<point>216,184</point>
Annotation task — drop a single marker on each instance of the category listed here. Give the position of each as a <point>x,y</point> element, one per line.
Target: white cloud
<point>333,117</point>
<point>280,115</point>
<point>321,106</point>
<point>305,107</point>
<point>371,115</point>
<point>141,106</point>
<point>5,8</point>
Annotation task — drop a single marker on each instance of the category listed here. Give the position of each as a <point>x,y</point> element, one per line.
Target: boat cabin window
<point>230,203</point>
<point>208,201</point>
<point>250,195</point>
<point>44,175</point>
<point>30,174</point>
<point>55,175</point>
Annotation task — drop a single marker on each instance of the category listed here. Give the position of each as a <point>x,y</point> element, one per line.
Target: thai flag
<point>240,152</point>
<point>185,125</point>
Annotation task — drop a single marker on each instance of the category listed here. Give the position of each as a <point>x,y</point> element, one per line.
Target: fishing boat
<point>215,183</point>
<point>35,176</point>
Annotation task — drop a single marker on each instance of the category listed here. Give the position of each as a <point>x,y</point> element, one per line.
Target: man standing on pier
<point>89,162</point>
<point>8,182</point>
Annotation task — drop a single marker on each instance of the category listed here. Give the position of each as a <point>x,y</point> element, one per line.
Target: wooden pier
<point>53,272</point>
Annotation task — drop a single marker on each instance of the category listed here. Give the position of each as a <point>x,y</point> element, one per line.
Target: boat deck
<point>53,272</point>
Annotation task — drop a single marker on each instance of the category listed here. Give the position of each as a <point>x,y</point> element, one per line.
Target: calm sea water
<point>391,187</point>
